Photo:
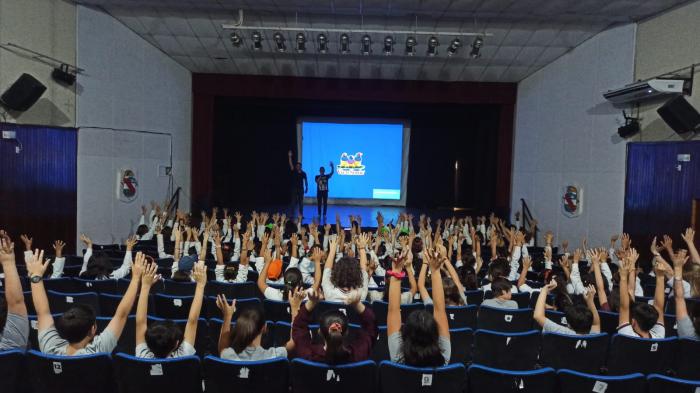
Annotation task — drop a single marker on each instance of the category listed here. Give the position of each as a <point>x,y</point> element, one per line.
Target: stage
<point>368,214</point>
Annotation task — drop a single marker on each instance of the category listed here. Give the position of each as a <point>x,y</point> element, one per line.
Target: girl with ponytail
<point>333,328</point>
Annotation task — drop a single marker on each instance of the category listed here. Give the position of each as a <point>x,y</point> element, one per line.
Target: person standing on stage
<point>300,186</point>
<point>322,189</point>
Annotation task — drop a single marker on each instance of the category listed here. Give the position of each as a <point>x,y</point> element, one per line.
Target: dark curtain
<point>252,136</point>
<point>659,196</point>
<point>38,186</point>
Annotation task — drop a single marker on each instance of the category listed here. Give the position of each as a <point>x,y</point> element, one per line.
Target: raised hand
<point>27,242</point>
<point>199,273</point>
<point>679,259</point>
<point>589,294</point>
<point>296,298</point>
<point>86,240</point>
<point>36,265</point>
<point>363,240</point>
<point>150,276</point>
<point>552,284</point>
<point>548,238</point>
<point>226,309</point>
<point>58,248</point>
<point>688,236</point>
<point>7,250</point>
<point>527,262</point>
<point>625,241</point>
<point>131,242</point>
<point>139,265</point>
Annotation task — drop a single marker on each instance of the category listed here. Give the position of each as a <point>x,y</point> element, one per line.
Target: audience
<point>302,265</point>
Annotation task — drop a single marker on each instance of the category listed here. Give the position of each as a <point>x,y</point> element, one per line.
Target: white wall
<point>667,43</point>
<point>129,88</point>
<point>565,132</point>
<point>48,27</point>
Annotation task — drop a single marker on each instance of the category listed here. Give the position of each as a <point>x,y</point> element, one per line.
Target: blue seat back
<point>70,374</point>
<point>394,377</point>
<point>581,353</point>
<point>632,354</point>
<point>504,320</point>
<point>312,377</point>
<point>487,379</point>
<point>178,375</point>
<point>266,376</point>
<point>576,382</point>
<point>508,351</point>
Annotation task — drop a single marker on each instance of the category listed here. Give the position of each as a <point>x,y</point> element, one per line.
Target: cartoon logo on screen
<point>351,164</point>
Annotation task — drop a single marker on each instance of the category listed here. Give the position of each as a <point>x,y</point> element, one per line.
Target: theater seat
<point>631,355</point>
<point>225,376</point>
<point>241,290</point>
<point>312,377</point>
<point>127,340</point>
<point>70,374</point>
<point>60,302</point>
<point>172,307</point>
<point>493,380</point>
<point>11,364</point>
<point>394,377</point>
<point>380,350</point>
<point>277,311</point>
<point>211,311</point>
<point>575,382</point>
<point>581,353</point>
<point>179,375</point>
<point>459,317</point>
<point>507,351</point>
<point>64,284</point>
<point>461,341</point>
<point>662,384</point>
<point>504,320</point>
<point>687,365</point>
<point>381,309</point>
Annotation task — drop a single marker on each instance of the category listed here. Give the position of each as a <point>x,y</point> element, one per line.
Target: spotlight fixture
<point>301,43</point>
<point>433,43</point>
<point>257,41</point>
<point>236,40</point>
<point>388,45</point>
<point>454,46</point>
<point>344,44</point>
<point>279,41</point>
<point>411,46</point>
<point>476,47</point>
<point>366,48</point>
<point>322,43</point>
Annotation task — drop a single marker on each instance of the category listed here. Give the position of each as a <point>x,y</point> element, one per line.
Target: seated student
<point>165,339</point>
<point>232,274</point>
<point>75,332</point>
<point>424,339</point>
<point>244,341</point>
<point>347,274</point>
<point>581,319</point>
<point>59,260</point>
<point>14,323</point>
<point>292,277</point>
<point>406,296</point>
<point>99,266</point>
<point>145,231</point>
<point>334,329</point>
<point>688,326</point>
<point>454,292</point>
<point>641,319</point>
<point>497,268</point>
<point>501,289</point>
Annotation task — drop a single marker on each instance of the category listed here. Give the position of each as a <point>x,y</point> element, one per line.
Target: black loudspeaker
<point>63,75</point>
<point>23,93</point>
<point>629,129</point>
<point>680,115</point>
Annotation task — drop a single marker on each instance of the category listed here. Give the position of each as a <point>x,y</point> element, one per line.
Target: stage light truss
<point>361,34</point>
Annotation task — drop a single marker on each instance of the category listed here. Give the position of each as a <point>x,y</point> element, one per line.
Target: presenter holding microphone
<point>322,189</point>
<point>300,186</point>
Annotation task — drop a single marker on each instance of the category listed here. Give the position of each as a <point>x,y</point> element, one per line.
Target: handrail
<point>528,219</point>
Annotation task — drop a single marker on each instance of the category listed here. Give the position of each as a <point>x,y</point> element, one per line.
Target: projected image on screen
<point>368,158</point>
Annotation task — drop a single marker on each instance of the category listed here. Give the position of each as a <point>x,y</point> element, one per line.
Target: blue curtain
<point>38,185</point>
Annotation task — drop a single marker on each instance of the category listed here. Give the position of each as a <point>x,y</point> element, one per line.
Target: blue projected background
<point>367,158</point>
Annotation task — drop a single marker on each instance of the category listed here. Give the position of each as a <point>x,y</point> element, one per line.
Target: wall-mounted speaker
<point>63,75</point>
<point>629,129</point>
<point>23,93</point>
<point>680,115</point>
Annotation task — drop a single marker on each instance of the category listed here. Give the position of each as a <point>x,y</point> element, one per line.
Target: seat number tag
<point>427,380</point>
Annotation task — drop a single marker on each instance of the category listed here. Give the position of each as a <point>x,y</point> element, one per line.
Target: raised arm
<point>678,291</point>
<point>527,262</point>
<point>116,325</point>
<point>13,288</point>
<point>393,318</point>
<point>149,277</point>
<point>318,271</point>
<point>599,282</point>
<point>439,312</point>
<point>262,277</point>
<point>227,311</point>
<point>200,277</point>
<point>289,159</point>
<point>332,169</point>
<point>689,238</point>
<point>659,290</point>
<point>539,315</point>
<point>36,267</point>
<point>590,303</point>
<point>627,265</point>
<point>424,295</point>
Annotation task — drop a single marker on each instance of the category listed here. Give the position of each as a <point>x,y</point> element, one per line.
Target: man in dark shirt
<point>322,189</point>
<point>300,186</point>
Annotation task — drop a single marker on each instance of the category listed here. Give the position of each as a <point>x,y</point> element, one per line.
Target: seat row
<point>513,351</point>
<point>124,373</point>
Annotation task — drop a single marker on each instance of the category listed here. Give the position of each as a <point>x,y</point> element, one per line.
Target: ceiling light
<point>388,45</point>
<point>411,46</point>
<point>322,43</point>
<point>476,47</point>
<point>301,43</point>
<point>366,48</point>
<point>279,41</point>
<point>433,43</point>
<point>344,44</point>
<point>236,40</point>
<point>257,40</point>
<point>454,46</point>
